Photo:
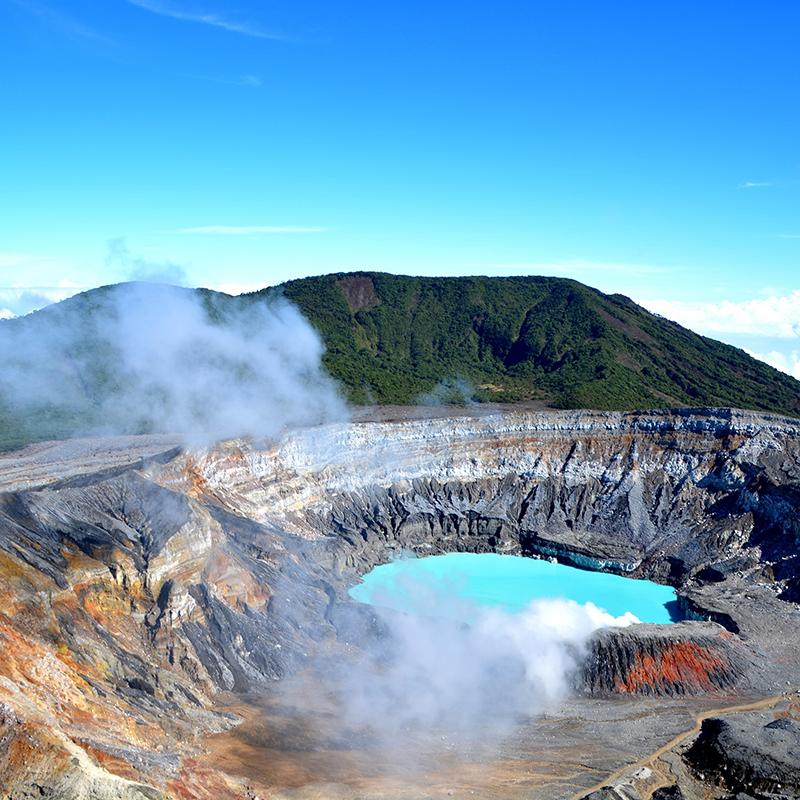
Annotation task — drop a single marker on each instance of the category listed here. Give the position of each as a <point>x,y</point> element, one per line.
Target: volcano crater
<point>158,583</point>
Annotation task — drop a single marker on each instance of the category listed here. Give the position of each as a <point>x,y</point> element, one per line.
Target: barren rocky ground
<point>168,613</point>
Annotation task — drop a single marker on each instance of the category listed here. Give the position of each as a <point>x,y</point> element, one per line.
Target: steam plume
<point>148,357</point>
<point>464,670</point>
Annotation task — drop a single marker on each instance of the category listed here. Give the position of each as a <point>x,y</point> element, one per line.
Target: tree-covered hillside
<point>391,339</point>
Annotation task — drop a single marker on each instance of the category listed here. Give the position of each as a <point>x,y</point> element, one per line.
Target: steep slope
<point>395,339</point>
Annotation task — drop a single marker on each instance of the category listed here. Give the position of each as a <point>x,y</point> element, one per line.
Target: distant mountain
<point>396,339</point>
<point>392,339</point>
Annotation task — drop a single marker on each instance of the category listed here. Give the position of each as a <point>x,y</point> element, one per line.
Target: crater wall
<point>142,581</point>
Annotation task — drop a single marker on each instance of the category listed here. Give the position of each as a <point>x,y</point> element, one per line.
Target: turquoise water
<point>432,584</point>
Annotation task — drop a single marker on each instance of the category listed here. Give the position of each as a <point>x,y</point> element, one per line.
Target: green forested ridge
<point>392,338</point>
<point>399,339</point>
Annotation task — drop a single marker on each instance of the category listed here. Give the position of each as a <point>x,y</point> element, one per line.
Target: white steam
<point>456,391</point>
<point>149,357</point>
<point>256,372</point>
<point>433,671</point>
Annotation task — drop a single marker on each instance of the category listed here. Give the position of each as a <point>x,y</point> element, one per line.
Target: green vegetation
<point>396,339</point>
<point>391,339</point>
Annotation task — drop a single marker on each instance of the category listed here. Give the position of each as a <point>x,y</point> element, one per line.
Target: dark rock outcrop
<point>669,793</point>
<point>657,660</point>
<point>622,792</point>
<point>750,754</point>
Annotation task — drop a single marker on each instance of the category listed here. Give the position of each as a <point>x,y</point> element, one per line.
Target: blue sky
<point>651,149</point>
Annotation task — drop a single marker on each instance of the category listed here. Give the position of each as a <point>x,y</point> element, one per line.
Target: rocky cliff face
<point>759,756</point>
<point>675,660</point>
<point>140,582</point>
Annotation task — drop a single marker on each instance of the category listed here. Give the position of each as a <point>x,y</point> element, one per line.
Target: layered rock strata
<point>665,660</point>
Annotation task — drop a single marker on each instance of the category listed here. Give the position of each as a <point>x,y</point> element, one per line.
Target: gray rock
<point>685,658</point>
<point>623,791</point>
<point>669,793</point>
<point>745,754</point>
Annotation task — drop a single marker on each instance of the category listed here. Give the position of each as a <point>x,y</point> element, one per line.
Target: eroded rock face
<point>140,582</point>
<point>657,660</point>
<point>127,608</point>
<point>757,755</point>
<point>659,496</point>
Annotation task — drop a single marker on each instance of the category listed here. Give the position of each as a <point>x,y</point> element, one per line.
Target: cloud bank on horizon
<point>770,320</point>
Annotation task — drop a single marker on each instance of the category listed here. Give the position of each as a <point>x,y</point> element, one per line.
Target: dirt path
<point>651,759</point>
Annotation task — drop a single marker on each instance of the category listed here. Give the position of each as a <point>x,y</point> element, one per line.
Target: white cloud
<point>250,230</point>
<point>776,316</point>
<point>764,321</point>
<point>18,300</point>
<point>20,269</point>
<point>63,22</point>
<point>257,374</point>
<point>238,288</point>
<point>135,268</point>
<point>785,362</point>
<point>755,184</point>
<point>206,18</point>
